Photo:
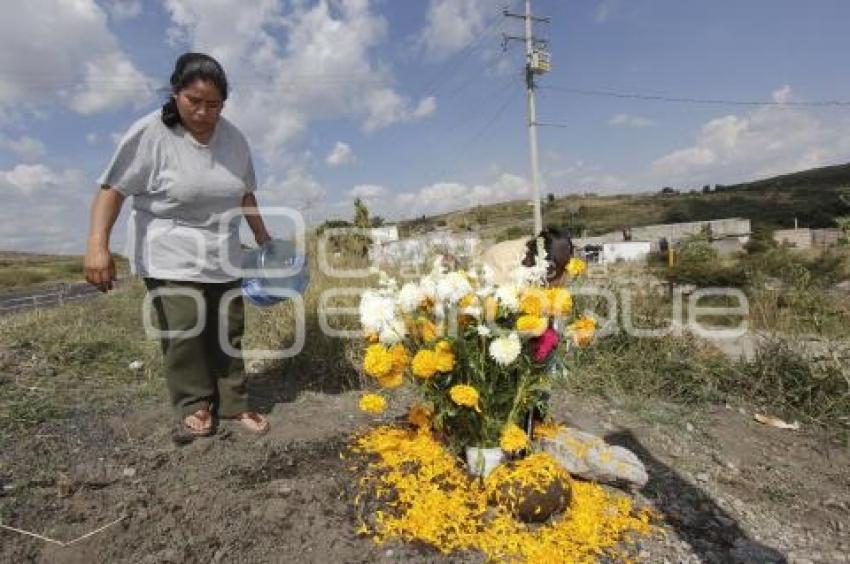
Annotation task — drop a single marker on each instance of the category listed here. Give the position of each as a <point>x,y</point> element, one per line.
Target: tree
<point>550,198</point>
<point>377,221</point>
<point>361,214</point>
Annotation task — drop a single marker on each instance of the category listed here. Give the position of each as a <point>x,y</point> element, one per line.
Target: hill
<point>814,197</point>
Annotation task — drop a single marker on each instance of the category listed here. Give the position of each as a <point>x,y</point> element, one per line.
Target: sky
<point>414,106</point>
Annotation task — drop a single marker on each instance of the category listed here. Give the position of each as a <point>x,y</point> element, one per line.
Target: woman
<point>502,258</point>
<point>187,168</point>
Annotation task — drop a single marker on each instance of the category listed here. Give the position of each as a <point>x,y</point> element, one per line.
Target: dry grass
<point>24,270</point>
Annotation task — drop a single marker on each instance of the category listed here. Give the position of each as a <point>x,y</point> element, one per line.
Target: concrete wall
<point>822,238</point>
<point>736,227</point>
<point>720,228</point>
<point>796,238</point>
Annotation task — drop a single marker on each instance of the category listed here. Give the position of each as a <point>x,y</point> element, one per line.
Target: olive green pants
<point>198,372</point>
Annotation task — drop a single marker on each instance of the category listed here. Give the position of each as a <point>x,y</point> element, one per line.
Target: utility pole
<point>537,61</point>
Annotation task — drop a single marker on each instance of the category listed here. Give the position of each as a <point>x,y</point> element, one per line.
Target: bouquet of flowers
<point>476,353</point>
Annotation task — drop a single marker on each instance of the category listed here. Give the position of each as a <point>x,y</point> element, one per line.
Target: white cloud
<point>77,59</point>
<point>451,25</point>
<point>766,141</point>
<point>316,61</point>
<point>25,148</point>
<point>602,12</point>
<point>386,107</point>
<point>626,120</point>
<point>341,154</point>
<point>446,196</point>
<point>62,199</point>
<point>28,178</point>
<point>367,192</point>
<point>123,9</point>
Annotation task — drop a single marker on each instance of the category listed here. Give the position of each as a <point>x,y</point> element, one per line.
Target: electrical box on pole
<point>541,61</point>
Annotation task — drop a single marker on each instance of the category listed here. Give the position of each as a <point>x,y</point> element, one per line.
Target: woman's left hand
<point>262,238</point>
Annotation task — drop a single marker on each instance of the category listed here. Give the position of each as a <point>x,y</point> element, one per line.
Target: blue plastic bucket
<point>262,286</point>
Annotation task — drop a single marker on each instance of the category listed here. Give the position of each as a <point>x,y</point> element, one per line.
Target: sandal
<point>253,422</point>
<point>204,417</point>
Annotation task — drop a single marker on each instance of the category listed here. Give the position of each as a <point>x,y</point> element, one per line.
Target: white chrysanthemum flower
<point>376,311</point>
<point>393,332</point>
<point>453,287</point>
<point>483,330</point>
<point>410,297</point>
<point>505,350</point>
<point>488,275</point>
<point>508,296</point>
<point>485,291</point>
<point>428,287</point>
<point>473,311</point>
<point>437,267</point>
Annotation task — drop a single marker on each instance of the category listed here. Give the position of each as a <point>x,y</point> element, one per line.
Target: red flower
<point>545,344</point>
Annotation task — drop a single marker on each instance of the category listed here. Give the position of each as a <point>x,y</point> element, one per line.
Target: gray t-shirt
<point>187,199</point>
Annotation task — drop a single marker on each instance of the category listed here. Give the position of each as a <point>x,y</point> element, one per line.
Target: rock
<point>588,456</point>
<point>702,477</point>
<point>129,472</point>
<point>282,487</point>
<point>93,474</point>
<point>65,486</point>
<point>689,427</point>
<point>136,365</point>
<point>528,503</point>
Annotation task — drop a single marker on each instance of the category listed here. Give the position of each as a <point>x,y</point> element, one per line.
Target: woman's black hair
<point>189,68</point>
<point>559,248</point>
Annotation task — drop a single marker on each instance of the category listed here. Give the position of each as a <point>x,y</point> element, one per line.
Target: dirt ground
<point>728,488</point>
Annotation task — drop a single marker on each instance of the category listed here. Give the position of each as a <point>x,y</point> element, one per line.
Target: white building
<point>619,251</point>
<point>385,234</point>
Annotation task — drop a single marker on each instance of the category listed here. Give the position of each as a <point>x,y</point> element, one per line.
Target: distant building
<point>736,229</point>
<point>385,234</point>
<point>625,251</point>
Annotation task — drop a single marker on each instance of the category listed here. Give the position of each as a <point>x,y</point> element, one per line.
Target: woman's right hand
<point>99,267</point>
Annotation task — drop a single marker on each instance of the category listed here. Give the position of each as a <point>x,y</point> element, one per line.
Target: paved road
<point>52,295</point>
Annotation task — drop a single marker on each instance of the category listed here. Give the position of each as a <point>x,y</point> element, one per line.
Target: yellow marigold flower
<point>532,325</point>
<point>378,361</point>
<point>445,361</point>
<point>467,301</point>
<point>427,329</point>
<point>424,364</point>
<point>400,357</point>
<point>420,415</point>
<point>373,403</point>
<point>513,438</point>
<point>533,302</point>
<point>576,267</point>
<point>372,337</point>
<point>546,430</point>
<point>560,300</point>
<point>583,330</point>
<point>464,395</point>
<point>392,380</point>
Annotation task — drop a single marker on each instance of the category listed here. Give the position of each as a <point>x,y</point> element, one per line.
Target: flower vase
<point>480,461</point>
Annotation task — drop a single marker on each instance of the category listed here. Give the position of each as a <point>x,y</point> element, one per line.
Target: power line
<point>461,150</point>
<point>688,100</point>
